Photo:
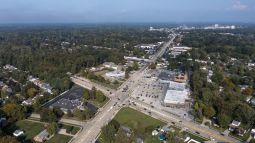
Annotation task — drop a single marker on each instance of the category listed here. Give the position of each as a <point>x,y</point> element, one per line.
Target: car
<point>173,123</point>
<point>197,132</point>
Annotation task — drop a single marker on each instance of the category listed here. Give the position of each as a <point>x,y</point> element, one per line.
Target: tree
<point>126,74</point>
<point>69,113</point>
<point>86,95</point>
<point>8,139</point>
<point>153,66</point>
<point>79,114</point>
<point>224,120</point>
<point>69,129</point>
<point>209,112</point>
<point>93,93</point>
<point>9,108</point>
<point>252,141</point>
<point>58,112</point>
<point>135,66</point>
<point>52,128</point>
<point>47,115</point>
<point>122,137</point>
<point>173,137</point>
<point>31,92</point>
<point>100,96</point>
<point>247,91</point>
<point>115,124</point>
<point>244,113</point>
<point>3,94</point>
<point>108,133</point>
<point>217,77</point>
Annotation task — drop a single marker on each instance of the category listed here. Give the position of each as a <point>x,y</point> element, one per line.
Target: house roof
<point>18,133</point>
<point>235,123</point>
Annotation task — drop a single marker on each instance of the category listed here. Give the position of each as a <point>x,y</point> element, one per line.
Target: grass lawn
<point>137,120</point>
<point>192,136</point>
<point>243,138</point>
<point>74,129</point>
<point>30,128</point>
<point>97,104</point>
<point>59,139</point>
<point>141,124</point>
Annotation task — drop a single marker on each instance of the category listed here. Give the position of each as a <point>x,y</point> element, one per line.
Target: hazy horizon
<point>127,11</point>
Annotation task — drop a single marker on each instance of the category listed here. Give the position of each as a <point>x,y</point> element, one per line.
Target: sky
<point>124,11</point>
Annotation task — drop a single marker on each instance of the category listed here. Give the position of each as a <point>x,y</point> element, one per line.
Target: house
<point>7,89</point>
<point>240,131</point>
<point>115,74</point>
<point>248,99</point>
<point>139,140</point>
<point>27,102</point>
<point>234,125</point>
<point>42,136</point>
<point>162,136</point>
<point>2,84</point>
<point>253,133</point>
<point>154,133</point>
<point>9,67</point>
<point>110,65</point>
<point>127,130</point>
<point>45,86</point>
<point>182,78</point>
<point>18,133</point>
<point>3,122</point>
<point>252,101</point>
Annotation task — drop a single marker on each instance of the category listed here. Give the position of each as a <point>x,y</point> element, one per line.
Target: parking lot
<point>152,92</point>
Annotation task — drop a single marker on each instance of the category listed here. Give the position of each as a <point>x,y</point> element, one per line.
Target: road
<point>120,99</point>
<point>83,82</point>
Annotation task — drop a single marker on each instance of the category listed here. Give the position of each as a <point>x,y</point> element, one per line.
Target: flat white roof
<point>177,86</point>
<point>176,97</point>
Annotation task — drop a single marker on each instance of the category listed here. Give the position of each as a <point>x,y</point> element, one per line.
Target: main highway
<point>120,99</point>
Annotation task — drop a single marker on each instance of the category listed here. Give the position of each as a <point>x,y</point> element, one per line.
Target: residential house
<point>27,102</point>
<point>18,133</point>
<point>234,125</point>
<point>42,136</point>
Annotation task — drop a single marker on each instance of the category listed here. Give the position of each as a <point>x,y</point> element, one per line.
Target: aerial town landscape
<point>118,79</point>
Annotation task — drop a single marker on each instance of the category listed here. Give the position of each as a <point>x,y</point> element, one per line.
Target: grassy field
<point>74,129</point>
<point>31,129</point>
<point>197,138</point>
<point>137,120</point>
<point>140,123</point>
<point>59,139</point>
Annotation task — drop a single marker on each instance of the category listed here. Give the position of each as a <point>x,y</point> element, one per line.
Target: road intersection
<point>120,99</point>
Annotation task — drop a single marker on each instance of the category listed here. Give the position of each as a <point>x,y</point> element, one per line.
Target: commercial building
<point>110,65</point>
<point>177,50</point>
<point>116,74</point>
<point>177,93</point>
<point>175,98</point>
<point>68,101</point>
